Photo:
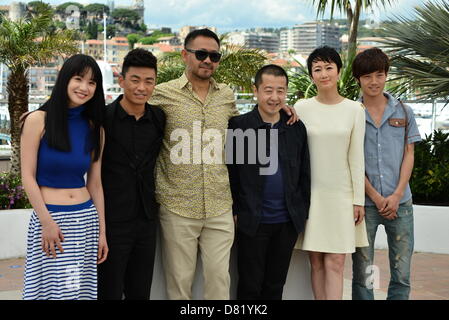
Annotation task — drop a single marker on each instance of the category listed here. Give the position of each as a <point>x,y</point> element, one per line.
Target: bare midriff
<point>64,196</point>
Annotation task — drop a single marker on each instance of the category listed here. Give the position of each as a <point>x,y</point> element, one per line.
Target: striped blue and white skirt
<point>73,274</point>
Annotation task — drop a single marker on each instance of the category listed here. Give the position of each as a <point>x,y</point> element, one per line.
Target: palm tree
<point>25,43</point>
<point>238,66</point>
<point>420,51</point>
<point>352,10</point>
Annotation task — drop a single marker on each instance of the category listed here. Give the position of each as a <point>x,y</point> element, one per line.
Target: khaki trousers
<point>181,238</point>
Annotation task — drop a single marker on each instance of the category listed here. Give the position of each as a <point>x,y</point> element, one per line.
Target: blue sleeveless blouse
<point>59,169</point>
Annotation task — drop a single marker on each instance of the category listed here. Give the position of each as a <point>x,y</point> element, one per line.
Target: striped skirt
<point>73,274</point>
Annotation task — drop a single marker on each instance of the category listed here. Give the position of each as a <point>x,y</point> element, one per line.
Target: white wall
<point>431,235</point>
<point>431,230</point>
<point>13,232</point>
<point>297,287</point>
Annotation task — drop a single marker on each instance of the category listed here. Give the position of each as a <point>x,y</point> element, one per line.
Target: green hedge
<point>430,178</point>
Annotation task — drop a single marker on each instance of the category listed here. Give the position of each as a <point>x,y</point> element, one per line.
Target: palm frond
<point>419,48</point>
<point>343,5</point>
<point>27,41</point>
<point>237,66</point>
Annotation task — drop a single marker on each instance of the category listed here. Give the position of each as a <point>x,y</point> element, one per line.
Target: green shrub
<point>12,194</point>
<point>430,178</point>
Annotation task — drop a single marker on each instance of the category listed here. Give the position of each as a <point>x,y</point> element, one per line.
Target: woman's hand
<point>51,238</point>
<point>359,214</point>
<point>102,249</point>
<point>291,112</point>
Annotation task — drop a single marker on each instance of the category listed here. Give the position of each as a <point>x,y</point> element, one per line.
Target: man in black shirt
<point>271,198</point>
<point>133,131</point>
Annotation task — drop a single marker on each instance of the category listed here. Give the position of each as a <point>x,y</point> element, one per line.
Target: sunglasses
<point>202,55</point>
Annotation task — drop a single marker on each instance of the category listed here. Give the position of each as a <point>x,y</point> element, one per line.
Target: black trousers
<point>263,261</point>
<point>128,270</point>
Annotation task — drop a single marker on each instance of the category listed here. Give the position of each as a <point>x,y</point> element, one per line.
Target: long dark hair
<point>56,108</point>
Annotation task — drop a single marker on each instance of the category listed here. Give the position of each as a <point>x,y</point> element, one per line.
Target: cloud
<point>235,14</point>
<point>227,14</point>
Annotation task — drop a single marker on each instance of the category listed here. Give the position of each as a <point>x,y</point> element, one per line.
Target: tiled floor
<point>430,277</point>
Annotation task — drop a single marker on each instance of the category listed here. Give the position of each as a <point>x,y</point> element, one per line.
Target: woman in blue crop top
<point>60,143</point>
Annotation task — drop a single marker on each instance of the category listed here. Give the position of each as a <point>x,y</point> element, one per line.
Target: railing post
<point>434,115</point>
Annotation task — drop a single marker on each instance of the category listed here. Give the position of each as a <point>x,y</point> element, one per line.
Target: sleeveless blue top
<point>59,169</point>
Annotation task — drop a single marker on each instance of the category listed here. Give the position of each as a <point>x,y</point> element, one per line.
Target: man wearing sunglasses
<point>195,198</point>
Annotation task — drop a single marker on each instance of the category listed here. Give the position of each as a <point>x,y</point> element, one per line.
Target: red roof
<point>285,63</point>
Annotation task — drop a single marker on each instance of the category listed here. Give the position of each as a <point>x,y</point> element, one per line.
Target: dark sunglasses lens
<point>201,55</point>
<point>214,56</point>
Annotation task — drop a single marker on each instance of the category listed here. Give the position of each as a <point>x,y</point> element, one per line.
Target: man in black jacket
<point>270,183</point>
<point>133,131</point>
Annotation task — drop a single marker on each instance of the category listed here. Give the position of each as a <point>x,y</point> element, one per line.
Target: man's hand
<point>390,210</point>
<point>291,112</point>
<point>103,249</point>
<point>380,203</point>
<point>359,214</point>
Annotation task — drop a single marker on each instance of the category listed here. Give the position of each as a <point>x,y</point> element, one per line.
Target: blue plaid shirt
<point>384,148</point>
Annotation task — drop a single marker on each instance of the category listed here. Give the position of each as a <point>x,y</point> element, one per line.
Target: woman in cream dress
<point>335,129</point>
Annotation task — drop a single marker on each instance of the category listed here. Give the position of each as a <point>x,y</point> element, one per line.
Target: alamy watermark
<point>206,147</point>
<point>72,282</point>
<point>73,17</point>
<point>373,279</point>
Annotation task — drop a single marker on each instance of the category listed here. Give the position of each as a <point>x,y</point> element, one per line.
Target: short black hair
<point>325,54</point>
<point>271,69</point>
<point>200,32</point>
<point>369,61</point>
<point>139,58</point>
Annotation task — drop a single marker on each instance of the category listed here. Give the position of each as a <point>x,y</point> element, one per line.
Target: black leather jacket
<point>247,184</point>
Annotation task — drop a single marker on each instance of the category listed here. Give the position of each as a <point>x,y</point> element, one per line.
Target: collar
<point>183,82</point>
<point>122,114</point>
<point>256,122</point>
<point>392,104</point>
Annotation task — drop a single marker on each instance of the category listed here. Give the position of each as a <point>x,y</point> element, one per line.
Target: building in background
<point>158,49</point>
<point>184,31</point>
<point>255,40</point>
<point>304,38</point>
<point>117,48</point>
<point>17,10</point>
<point>363,43</point>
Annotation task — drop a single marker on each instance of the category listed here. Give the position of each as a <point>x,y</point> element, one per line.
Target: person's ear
<point>184,55</point>
<point>255,91</point>
<point>121,79</point>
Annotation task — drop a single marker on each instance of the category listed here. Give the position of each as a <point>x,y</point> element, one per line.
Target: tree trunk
<point>352,41</point>
<point>17,89</point>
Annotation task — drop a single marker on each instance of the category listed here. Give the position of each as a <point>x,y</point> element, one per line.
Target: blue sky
<point>228,15</point>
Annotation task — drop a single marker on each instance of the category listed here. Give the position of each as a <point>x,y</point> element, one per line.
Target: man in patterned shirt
<point>194,194</point>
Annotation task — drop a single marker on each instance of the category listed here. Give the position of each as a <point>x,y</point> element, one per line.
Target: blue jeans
<point>400,248</point>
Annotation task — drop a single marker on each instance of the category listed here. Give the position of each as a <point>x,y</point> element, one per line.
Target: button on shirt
<point>135,133</point>
<point>194,189</point>
<point>384,148</point>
